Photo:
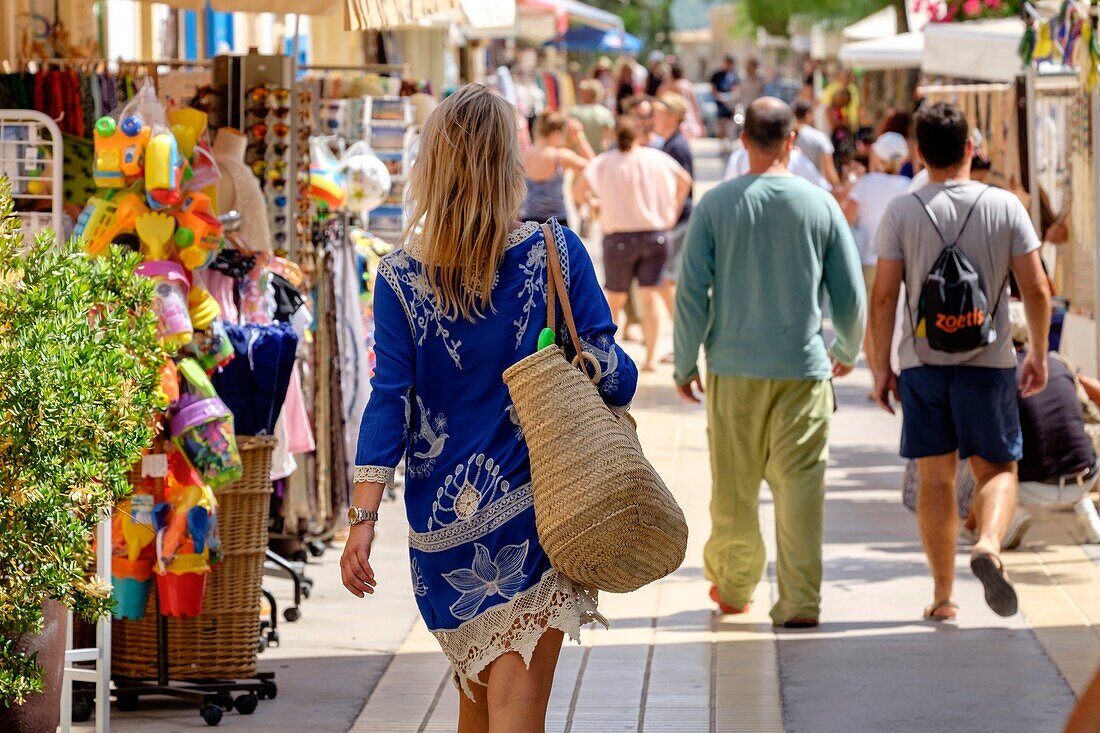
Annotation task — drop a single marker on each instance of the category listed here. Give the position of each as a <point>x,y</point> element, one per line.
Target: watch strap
<point>358,515</point>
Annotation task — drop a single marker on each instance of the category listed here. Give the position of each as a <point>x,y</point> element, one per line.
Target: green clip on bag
<point>605,518</point>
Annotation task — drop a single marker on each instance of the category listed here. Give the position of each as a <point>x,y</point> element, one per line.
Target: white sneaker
<point>1090,520</point>
<point>968,536</point>
<point>1021,522</point>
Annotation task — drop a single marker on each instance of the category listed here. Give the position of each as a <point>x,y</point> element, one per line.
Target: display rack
<point>236,77</point>
<point>31,158</point>
<point>392,135</point>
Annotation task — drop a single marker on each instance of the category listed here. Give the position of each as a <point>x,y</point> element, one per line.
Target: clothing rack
<point>402,69</point>
<point>100,64</point>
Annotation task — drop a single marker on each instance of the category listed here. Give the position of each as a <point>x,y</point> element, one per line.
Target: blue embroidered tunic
<point>482,581</point>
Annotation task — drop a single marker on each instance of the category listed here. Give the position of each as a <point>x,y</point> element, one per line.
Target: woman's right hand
<point>355,569</point>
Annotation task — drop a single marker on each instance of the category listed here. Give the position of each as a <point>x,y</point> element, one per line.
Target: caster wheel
<point>223,700</point>
<point>300,556</point>
<point>273,638</point>
<point>82,711</point>
<point>261,645</point>
<point>246,704</point>
<point>270,689</point>
<point>127,703</point>
<point>292,614</point>
<point>307,590</point>
<point>316,548</point>
<point>212,714</point>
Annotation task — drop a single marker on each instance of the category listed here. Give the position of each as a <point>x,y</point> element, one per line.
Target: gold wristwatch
<point>358,515</point>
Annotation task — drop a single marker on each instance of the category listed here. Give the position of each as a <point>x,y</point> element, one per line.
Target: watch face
<point>353,515</point>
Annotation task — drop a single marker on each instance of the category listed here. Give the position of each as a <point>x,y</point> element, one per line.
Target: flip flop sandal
<point>930,612</point>
<point>999,593</point>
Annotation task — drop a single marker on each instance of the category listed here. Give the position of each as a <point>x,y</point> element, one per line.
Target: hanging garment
<point>254,385</point>
<point>223,289</point>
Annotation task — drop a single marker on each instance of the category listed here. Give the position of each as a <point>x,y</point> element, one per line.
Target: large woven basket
<point>221,642</point>
<point>604,516</point>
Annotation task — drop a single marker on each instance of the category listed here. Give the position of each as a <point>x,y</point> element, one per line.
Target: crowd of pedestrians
<point>929,275</point>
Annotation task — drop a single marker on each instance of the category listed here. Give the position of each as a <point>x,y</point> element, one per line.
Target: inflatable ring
<point>596,368</point>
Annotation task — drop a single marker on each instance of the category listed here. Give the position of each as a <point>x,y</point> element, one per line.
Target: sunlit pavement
<point>669,664</point>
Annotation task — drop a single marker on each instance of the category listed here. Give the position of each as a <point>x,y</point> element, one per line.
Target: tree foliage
<point>649,20</point>
<point>79,386</point>
<point>774,15</point>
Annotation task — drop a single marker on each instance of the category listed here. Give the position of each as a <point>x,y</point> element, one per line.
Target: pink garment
<point>637,189</point>
<point>222,287</point>
<point>298,432</point>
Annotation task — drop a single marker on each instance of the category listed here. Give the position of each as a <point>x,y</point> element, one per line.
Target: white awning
<point>362,15</point>
<point>983,50</point>
<point>882,24</point>
<point>585,14</point>
<point>488,18</point>
<point>902,51</point>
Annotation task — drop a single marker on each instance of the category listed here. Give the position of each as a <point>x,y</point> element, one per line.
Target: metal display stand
<point>31,159</point>
<point>214,697</point>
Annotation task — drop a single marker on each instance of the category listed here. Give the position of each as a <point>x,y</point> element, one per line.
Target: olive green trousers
<point>775,431</point>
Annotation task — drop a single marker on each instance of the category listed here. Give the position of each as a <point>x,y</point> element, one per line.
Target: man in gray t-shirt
<point>999,230</point>
<point>959,405</point>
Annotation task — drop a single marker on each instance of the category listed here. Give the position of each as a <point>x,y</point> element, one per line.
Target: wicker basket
<point>221,642</point>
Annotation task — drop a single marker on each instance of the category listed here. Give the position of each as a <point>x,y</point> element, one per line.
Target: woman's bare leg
<point>651,324</point>
<point>473,715</point>
<point>518,695</point>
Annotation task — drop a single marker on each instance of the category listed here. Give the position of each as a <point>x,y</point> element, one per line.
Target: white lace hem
<point>555,602</point>
<point>373,475</point>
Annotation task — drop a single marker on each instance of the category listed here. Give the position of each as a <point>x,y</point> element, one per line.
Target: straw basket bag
<point>604,516</point>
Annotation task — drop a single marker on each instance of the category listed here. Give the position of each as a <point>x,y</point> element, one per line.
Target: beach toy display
<point>174,325</point>
<point>119,150</point>
<point>203,431</point>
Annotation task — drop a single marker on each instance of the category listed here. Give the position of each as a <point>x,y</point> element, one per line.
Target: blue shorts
<point>972,410</point>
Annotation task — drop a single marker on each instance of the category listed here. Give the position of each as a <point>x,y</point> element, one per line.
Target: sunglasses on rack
<point>258,131</point>
<point>258,96</point>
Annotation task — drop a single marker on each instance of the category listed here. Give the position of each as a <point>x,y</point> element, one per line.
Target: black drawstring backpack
<point>953,312</point>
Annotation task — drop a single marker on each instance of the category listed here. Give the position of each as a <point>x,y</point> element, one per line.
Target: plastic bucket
<point>181,593</point>
<point>131,597</point>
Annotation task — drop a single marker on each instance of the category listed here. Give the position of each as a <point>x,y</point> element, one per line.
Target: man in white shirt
<point>798,164</point>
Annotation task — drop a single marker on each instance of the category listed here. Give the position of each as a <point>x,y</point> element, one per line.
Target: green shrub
<point>79,387</point>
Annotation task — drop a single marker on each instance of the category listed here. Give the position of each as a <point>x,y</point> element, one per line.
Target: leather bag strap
<point>555,291</point>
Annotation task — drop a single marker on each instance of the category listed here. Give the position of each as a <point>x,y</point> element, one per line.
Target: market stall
<point>150,159</point>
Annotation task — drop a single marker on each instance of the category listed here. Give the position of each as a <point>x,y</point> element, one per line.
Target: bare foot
<point>649,368</point>
<point>945,610</point>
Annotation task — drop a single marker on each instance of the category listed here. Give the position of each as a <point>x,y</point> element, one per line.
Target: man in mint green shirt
<point>761,252</point>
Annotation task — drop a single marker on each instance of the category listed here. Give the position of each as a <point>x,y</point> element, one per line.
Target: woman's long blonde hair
<point>466,188</point>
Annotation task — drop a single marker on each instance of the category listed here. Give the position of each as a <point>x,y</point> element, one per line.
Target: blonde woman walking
<point>463,299</point>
